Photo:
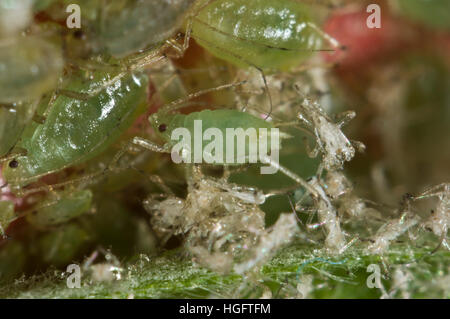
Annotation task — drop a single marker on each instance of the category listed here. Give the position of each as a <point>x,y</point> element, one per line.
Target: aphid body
<point>262,33</point>
<point>225,122</point>
<point>78,129</point>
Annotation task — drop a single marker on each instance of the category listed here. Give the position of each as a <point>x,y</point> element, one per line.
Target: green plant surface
<point>173,275</point>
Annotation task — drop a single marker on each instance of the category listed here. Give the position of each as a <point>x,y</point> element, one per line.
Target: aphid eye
<point>13,164</point>
<point>162,128</point>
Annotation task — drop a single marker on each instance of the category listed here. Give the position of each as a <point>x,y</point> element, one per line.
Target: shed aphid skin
<point>221,225</point>
<point>107,271</point>
<point>213,222</point>
<point>335,240</point>
<point>77,130</point>
<point>439,221</point>
<point>335,147</point>
<point>392,230</point>
<point>340,191</point>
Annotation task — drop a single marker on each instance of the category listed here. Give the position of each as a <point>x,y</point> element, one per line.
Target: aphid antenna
<point>89,179</point>
<point>171,106</point>
<point>434,191</point>
<point>377,204</point>
<point>93,65</point>
<point>278,122</point>
<point>13,153</point>
<point>261,71</point>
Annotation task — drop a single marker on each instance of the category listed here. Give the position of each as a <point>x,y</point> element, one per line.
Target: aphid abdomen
<point>268,34</point>
<point>77,130</point>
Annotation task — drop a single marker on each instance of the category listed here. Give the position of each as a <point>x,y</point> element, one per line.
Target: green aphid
<point>262,146</point>
<point>61,246</point>
<point>129,26</point>
<point>68,205</point>
<point>7,215</point>
<point>219,120</point>
<point>29,67</point>
<point>434,13</point>
<point>80,127</point>
<point>121,27</point>
<point>13,119</point>
<point>270,35</point>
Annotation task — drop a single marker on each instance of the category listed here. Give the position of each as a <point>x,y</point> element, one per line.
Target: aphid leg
<point>156,179</point>
<point>130,65</point>
<point>344,118</point>
<point>267,160</point>
<point>294,211</point>
<point>434,191</point>
<point>359,146</point>
<point>439,221</point>
<point>187,35</point>
<point>150,145</point>
<point>312,152</point>
<point>88,179</point>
